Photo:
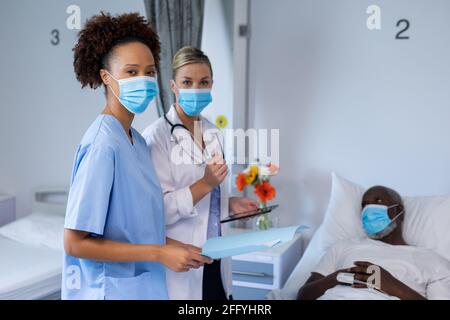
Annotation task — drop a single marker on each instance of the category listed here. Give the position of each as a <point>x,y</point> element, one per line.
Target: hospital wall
<point>43,110</point>
<point>347,99</point>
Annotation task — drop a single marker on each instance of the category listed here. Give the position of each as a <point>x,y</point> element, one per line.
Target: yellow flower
<point>221,122</point>
<point>252,174</point>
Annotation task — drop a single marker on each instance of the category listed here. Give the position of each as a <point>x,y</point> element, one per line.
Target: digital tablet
<point>249,214</point>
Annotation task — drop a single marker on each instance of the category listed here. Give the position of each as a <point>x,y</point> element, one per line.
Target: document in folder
<point>228,246</point>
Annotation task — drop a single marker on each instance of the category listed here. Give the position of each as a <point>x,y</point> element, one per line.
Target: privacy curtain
<point>178,23</point>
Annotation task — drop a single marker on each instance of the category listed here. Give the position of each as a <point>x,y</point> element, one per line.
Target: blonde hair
<point>189,55</point>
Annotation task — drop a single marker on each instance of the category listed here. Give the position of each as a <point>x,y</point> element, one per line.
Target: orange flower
<point>241,182</point>
<point>265,191</point>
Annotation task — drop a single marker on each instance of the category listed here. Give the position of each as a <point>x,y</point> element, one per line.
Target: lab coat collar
<point>173,117</point>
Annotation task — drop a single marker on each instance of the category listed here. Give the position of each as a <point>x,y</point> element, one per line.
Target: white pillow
<point>426,224</point>
<point>343,216</point>
<point>38,229</point>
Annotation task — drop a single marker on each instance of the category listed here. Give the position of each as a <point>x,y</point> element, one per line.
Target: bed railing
<point>50,199</point>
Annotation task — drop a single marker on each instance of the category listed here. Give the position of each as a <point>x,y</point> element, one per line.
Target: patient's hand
<point>380,279</point>
<point>317,284</point>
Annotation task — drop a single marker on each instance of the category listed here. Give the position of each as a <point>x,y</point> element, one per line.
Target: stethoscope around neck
<point>173,127</point>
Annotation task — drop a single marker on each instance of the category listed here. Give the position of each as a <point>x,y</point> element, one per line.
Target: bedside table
<point>7,209</point>
<point>256,274</point>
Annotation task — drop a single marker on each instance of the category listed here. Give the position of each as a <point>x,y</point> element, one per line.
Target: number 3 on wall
<point>406,27</point>
<point>55,37</point>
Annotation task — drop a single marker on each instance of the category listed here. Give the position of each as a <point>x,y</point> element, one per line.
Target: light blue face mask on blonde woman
<point>136,93</point>
<point>194,101</point>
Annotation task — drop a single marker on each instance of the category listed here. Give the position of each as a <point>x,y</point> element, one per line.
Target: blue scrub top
<point>115,195</point>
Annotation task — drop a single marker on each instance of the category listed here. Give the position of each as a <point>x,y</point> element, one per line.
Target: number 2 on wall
<point>399,34</point>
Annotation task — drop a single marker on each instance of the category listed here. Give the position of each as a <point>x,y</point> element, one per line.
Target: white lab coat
<point>184,221</point>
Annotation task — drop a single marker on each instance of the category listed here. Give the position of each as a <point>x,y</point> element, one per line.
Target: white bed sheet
<point>37,229</point>
<point>28,272</point>
<point>31,257</point>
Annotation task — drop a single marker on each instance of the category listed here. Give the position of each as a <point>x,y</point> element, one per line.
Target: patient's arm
<point>316,286</point>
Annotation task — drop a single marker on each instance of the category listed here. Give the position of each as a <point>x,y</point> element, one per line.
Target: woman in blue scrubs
<point>114,238</point>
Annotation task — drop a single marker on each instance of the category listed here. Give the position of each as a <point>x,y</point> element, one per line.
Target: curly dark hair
<point>101,34</point>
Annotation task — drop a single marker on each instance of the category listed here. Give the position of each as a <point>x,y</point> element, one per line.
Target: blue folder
<point>228,246</point>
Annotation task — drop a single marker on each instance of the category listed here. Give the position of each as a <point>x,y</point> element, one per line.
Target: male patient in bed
<point>383,265</point>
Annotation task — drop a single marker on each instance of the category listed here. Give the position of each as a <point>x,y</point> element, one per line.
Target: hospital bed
<point>426,225</point>
<point>31,250</point>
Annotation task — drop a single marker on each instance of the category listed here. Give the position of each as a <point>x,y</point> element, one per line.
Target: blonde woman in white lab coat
<point>187,152</point>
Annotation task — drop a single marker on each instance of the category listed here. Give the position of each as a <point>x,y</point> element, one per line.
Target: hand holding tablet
<point>249,214</point>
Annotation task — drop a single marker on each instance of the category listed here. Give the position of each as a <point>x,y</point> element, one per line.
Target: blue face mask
<point>375,218</point>
<point>136,93</point>
<point>194,101</point>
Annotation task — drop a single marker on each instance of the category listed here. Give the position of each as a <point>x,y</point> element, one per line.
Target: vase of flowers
<point>258,176</point>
